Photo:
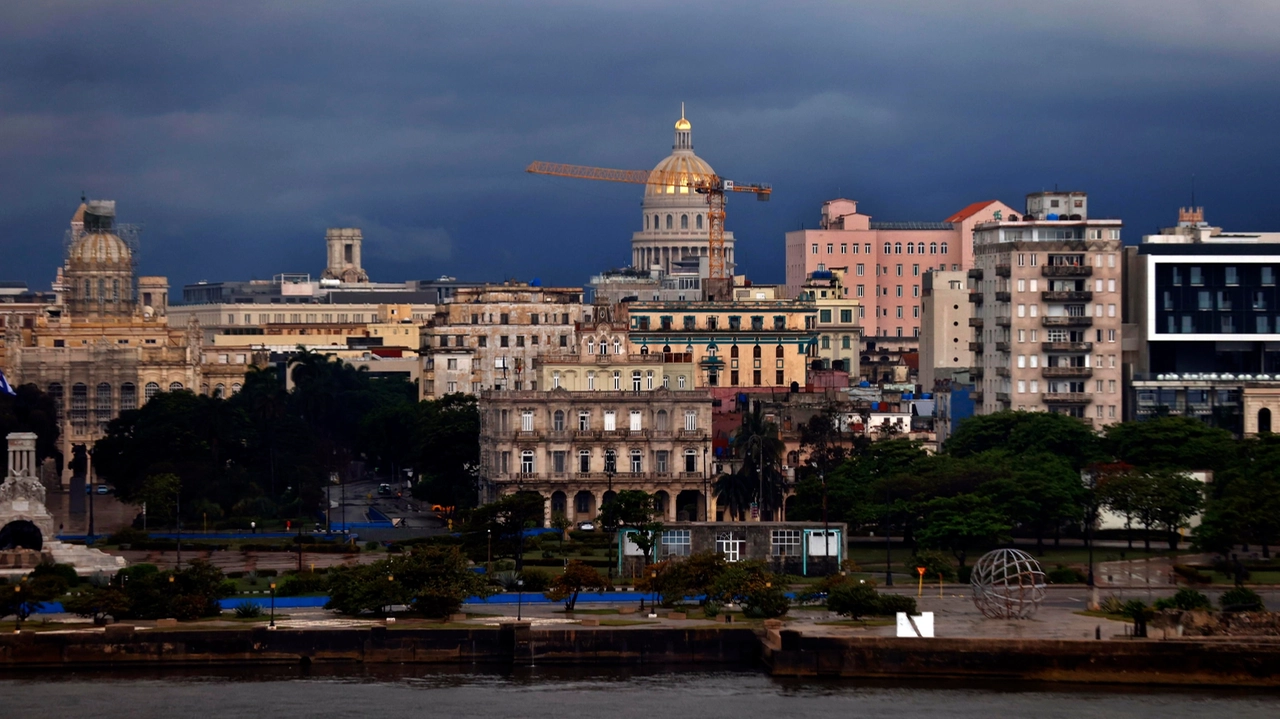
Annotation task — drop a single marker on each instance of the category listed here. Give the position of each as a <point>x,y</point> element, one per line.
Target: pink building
<point>885,262</point>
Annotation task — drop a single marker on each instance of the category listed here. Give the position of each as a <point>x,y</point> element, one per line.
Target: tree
<point>504,522</point>
<point>759,447</point>
<point>433,581</point>
<point>752,585</point>
<point>23,598</point>
<point>961,523</point>
<point>30,410</point>
<point>633,508</point>
<point>1025,433</point>
<point>98,603</point>
<point>447,449</point>
<point>1173,497</point>
<point>1169,443</point>
<point>578,575</point>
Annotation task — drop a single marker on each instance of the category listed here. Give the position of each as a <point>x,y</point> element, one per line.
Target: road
<point>417,517</point>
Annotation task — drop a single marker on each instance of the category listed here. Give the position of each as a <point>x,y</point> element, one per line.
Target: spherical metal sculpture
<point>1007,584</point>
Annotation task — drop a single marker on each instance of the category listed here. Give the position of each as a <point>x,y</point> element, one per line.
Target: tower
<point>98,277</point>
<point>344,255</point>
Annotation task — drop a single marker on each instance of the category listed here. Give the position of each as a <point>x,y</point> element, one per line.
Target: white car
<point>587,526</point>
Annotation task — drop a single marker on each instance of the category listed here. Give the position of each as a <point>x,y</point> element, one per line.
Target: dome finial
<point>682,124</point>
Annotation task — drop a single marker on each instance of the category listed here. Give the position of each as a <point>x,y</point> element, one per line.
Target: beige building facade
<point>838,322</point>
<point>1048,325</point>
<point>578,449</point>
<point>945,333</point>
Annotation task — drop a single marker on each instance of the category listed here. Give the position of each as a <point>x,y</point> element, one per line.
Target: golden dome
<point>99,248</point>
<point>683,124</point>
<point>684,164</point>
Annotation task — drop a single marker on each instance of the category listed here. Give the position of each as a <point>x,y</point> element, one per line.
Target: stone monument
<point>27,535</point>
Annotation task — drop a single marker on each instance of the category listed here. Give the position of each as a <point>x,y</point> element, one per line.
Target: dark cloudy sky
<point>237,131</point>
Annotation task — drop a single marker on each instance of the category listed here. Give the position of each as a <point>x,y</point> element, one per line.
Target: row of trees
<point>267,452</point>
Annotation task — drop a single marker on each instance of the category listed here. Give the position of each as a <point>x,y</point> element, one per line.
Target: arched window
<point>617,346</point>
<point>526,462</point>
<point>648,379</point>
<point>635,380</point>
<point>933,248</point>
<point>733,351</point>
<point>88,289</point>
<point>175,386</point>
<point>150,390</point>
<point>646,222</point>
<point>102,290</point>
<point>778,352</point>
<point>911,249</point>
<point>591,346</point>
<point>115,290</point>
<point>235,388</point>
<point>1264,420</point>
<point>920,248</point>
<point>662,421</point>
<point>897,248</point>
<point>219,390</point>
<point>684,222</point>
<point>668,222</point>
<point>698,222</point>
<point>755,352</point>
<point>79,405</point>
<point>617,379</point>
<point>55,394</point>
<point>943,248</point>
<point>128,396</point>
<point>557,420</point>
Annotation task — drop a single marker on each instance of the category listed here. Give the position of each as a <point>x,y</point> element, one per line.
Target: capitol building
<point>675,217</point>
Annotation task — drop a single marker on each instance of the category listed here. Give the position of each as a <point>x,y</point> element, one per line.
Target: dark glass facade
<point>1217,298</point>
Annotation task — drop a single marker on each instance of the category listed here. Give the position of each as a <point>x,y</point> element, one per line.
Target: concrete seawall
<point>512,644</point>
<point>1240,662</point>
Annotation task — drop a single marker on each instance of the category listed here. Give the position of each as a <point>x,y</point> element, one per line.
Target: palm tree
<point>759,476</point>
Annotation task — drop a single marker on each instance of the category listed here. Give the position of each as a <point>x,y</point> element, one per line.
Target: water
<point>576,694</point>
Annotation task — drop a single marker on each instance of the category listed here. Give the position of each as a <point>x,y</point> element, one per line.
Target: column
<point>546,511</point>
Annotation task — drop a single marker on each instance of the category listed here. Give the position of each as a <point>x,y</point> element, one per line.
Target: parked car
<point>384,489</point>
<point>587,526</point>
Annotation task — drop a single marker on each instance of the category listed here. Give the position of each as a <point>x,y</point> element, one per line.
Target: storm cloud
<point>236,132</point>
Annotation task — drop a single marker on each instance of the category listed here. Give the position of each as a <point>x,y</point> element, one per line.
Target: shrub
<point>64,572</point>
<point>305,583</point>
<point>372,546</point>
<point>1063,574</point>
<point>1191,574</point>
<point>765,602</point>
<point>935,563</point>
<point>819,591</point>
<point>891,604</point>
<point>536,580</point>
<point>248,610</point>
<point>1111,605</point>
<point>854,600</point>
<point>1186,599</point>
<point>1240,599</point>
<point>711,609</point>
<point>127,535</point>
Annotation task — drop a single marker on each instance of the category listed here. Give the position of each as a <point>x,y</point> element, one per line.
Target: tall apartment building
<point>884,261</point>
<point>1048,289</point>
<point>488,337</point>
<point>1204,309</point>
<point>945,312</point>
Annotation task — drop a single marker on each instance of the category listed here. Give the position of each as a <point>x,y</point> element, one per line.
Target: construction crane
<point>713,186</point>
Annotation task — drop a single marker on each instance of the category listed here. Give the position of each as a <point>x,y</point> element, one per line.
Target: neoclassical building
<point>675,217</point>
<point>104,346</point>
<point>578,448</point>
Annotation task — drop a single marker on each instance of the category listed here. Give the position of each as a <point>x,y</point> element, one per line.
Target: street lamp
<point>653,590</point>
<point>519,599</point>
<point>17,592</point>
<point>273,605</point>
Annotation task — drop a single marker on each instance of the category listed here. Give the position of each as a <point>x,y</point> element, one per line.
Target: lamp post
<point>608,473</point>
<point>391,578</point>
<point>273,606</point>
<point>706,497</point>
<point>488,565</point>
<point>17,591</point>
<point>519,599</point>
<point>653,591</point>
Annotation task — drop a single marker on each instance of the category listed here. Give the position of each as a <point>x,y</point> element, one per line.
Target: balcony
<point>1066,398</point>
<point>1003,270</point>
<point>975,347</point>
<point>975,297</point>
<point>584,434</point>
<point>1066,296</point>
<point>975,322</point>
<point>1002,397</point>
<point>1066,346</point>
<point>1066,271</point>
<point>977,371</point>
<point>1002,347</point>
<point>1067,321</point>
<point>1004,321</point>
<point>1002,371</point>
<point>1068,372</point>
<point>975,273</point>
<point>976,396</point>
<point>1003,296</point>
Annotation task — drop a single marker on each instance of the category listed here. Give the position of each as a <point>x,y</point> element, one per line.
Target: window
<point>684,222</point>
<point>897,248</point>
<point>555,379</point>
<point>635,380</point>
<point>844,248</point>
<point>617,379</point>
<point>830,248</point>
<point>676,543</point>
<point>526,462</point>
<point>558,461</point>
<point>584,460</point>
<point>591,380</point>
<point>690,460</point>
<point>557,420</point>
<point>610,420</point>
<point>669,222</point>
<point>128,396</point>
<point>610,461</point>
<point>680,382</point>
<point>151,389</point>
<point>785,543</point>
<point>814,249</point>
<point>636,463</point>
<point>943,248</point>
<point>660,461</point>
<point>584,421</point>
<point>690,420</point>
<point>175,386</point>
<point>635,420</point>
<point>526,420</point>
